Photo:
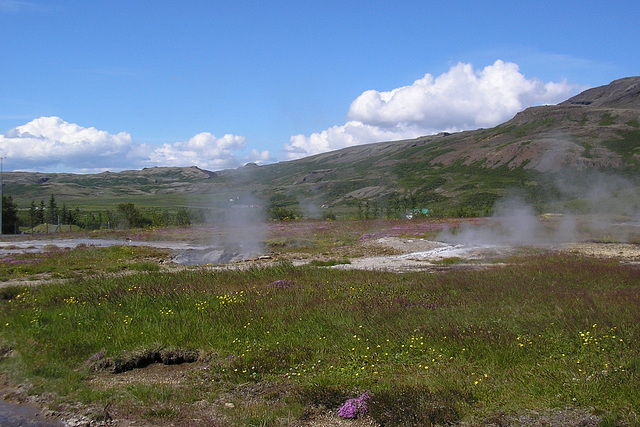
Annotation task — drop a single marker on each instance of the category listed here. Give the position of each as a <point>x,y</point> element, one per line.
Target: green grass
<point>449,261</point>
<point>607,119</point>
<point>66,263</point>
<point>627,145</point>
<point>550,331</point>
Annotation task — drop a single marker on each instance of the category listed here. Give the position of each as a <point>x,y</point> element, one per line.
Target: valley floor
<point>390,246</point>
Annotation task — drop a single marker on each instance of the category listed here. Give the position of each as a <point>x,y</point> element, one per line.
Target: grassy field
<point>281,344</point>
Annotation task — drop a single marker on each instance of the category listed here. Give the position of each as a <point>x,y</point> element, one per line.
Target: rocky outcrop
<point>622,93</point>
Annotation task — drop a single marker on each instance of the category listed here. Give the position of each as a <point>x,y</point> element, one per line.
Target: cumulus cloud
<point>460,99</point>
<point>258,156</point>
<point>203,150</point>
<point>52,144</point>
<point>351,133</point>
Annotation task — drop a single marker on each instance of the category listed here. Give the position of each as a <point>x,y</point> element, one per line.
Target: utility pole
<point>1,192</point>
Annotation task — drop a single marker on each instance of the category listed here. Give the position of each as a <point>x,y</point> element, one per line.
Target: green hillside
<point>595,134</point>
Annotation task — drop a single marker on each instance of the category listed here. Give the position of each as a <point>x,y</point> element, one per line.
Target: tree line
<point>125,215</point>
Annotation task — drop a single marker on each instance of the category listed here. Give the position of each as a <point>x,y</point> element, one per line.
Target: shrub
<point>283,214</point>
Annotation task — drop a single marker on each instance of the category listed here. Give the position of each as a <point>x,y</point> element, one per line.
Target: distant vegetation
<point>41,217</point>
<point>10,221</point>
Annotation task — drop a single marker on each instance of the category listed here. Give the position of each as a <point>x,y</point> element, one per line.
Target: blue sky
<point>87,86</point>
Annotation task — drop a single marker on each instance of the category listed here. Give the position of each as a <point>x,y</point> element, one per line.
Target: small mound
<point>143,359</point>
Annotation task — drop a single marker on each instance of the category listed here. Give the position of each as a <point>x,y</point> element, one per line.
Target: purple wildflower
<point>23,261</point>
<point>99,355</point>
<point>281,284</point>
<point>352,408</point>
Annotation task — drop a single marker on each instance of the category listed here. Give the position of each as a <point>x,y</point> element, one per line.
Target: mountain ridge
<point>596,130</point>
<point>621,93</point>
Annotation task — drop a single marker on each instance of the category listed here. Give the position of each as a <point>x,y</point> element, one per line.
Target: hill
<point>595,132</point>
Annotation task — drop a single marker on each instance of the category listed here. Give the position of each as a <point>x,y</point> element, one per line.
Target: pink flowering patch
<point>281,284</point>
<point>353,408</point>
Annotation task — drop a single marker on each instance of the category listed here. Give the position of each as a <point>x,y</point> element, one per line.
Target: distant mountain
<point>463,173</point>
<point>621,93</point>
<point>138,183</point>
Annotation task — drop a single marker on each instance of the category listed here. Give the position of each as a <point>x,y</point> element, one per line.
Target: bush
<point>130,217</point>
<point>283,214</point>
<point>329,216</point>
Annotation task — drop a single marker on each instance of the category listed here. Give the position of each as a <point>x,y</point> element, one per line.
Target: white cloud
<point>352,133</point>
<point>460,99</point>
<point>50,141</point>
<point>259,156</point>
<point>203,150</point>
<point>51,144</point>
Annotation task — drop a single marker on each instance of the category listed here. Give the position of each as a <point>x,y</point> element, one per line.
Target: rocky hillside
<point>466,172</point>
<point>598,130</point>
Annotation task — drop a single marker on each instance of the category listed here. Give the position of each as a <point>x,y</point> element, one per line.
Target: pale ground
<point>428,255</point>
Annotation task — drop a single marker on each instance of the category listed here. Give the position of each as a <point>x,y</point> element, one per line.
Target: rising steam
<point>245,227</point>
<point>589,204</point>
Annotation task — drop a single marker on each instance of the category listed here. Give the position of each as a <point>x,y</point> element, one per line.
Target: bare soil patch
<point>406,254</point>
<point>154,374</point>
<point>626,252</point>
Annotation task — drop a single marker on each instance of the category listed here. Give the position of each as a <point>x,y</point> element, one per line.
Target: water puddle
<point>183,253</point>
<point>17,415</point>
